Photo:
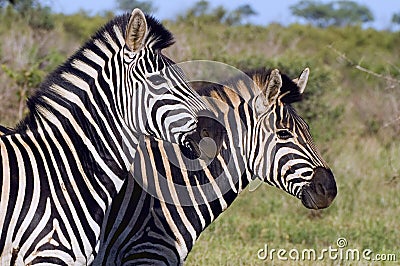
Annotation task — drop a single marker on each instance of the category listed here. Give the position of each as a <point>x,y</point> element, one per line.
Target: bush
<point>80,25</point>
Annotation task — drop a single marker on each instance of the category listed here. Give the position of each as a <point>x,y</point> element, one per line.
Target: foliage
<point>26,80</point>
<point>238,15</point>
<point>396,18</point>
<point>336,13</point>
<point>128,5</point>
<point>37,15</point>
<point>201,11</point>
<point>40,18</point>
<point>81,25</point>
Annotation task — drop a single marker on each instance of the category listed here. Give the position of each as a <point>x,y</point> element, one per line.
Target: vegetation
<point>203,13</point>
<point>335,13</point>
<point>396,18</point>
<point>34,13</point>
<point>351,105</point>
<point>129,5</point>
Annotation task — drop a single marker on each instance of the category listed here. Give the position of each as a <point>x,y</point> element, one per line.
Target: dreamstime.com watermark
<point>339,252</point>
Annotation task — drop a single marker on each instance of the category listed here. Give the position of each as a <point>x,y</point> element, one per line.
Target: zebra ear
<point>270,92</point>
<point>136,30</point>
<point>302,80</point>
<point>273,86</point>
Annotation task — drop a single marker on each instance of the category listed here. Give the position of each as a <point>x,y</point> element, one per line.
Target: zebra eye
<point>157,79</point>
<point>284,134</point>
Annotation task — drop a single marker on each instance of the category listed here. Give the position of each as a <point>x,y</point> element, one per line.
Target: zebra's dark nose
<point>208,137</point>
<point>321,191</point>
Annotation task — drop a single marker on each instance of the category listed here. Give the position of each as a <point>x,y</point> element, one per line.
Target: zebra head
<point>285,154</point>
<point>157,100</point>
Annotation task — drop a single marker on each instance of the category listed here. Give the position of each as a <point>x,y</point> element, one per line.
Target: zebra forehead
<point>289,112</point>
<point>285,113</point>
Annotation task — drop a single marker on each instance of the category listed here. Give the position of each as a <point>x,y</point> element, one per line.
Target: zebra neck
<point>227,175</point>
<point>80,94</point>
<point>73,111</point>
<point>231,175</point>
<point>214,188</point>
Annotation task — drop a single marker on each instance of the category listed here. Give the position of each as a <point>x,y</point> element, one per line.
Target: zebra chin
<point>321,191</point>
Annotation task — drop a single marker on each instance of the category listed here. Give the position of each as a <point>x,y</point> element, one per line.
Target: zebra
<point>62,165</point>
<point>170,199</point>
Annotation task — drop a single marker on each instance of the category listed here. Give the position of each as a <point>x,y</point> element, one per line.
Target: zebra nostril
<point>208,148</point>
<point>324,182</point>
<point>319,188</point>
<point>204,133</point>
<point>210,134</point>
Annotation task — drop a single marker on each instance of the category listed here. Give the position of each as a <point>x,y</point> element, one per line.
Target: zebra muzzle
<point>206,141</point>
<point>321,191</point>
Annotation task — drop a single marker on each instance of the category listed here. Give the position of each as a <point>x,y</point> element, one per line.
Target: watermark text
<point>340,251</point>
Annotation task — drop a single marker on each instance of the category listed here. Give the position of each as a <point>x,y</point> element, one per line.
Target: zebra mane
<point>5,130</point>
<point>158,35</point>
<point>158,38</point>
<point>258,77</point>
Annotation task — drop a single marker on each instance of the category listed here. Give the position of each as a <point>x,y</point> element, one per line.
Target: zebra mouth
<point>307,200</point>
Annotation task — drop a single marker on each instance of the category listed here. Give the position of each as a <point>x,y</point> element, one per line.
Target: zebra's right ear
<point>136,30</point>
<point>302,80</point>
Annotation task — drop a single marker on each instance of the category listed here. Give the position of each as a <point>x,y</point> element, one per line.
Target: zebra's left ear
<point>136,30</point>
<point>302,80</point>
<point>273,87</point>
<point>270,93</point>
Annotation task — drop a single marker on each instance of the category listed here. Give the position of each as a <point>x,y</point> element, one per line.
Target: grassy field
<point>354,117</point>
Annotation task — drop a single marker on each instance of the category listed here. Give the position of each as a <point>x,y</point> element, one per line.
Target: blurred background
<point>351,104</point>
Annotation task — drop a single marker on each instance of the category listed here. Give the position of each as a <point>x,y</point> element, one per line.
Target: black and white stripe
<point>171,199</point>
<point>64,163</point>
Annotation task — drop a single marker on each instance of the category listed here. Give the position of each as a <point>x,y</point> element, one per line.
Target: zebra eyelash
<point>157,79</point>
<point>284,134</point>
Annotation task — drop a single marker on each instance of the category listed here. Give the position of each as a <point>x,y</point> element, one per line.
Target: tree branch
<point>363,69</point>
